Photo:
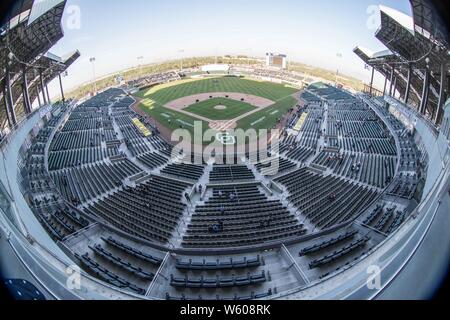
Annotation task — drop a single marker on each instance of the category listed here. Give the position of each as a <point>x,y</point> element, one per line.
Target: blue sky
<point>116,32</point>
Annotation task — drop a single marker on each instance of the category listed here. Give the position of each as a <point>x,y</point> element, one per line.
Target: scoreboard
<point>276,60</point>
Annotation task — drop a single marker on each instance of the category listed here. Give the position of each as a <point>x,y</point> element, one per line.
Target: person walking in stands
<point>188,198</point>
<point>220,194</point>
<point>332,196</point>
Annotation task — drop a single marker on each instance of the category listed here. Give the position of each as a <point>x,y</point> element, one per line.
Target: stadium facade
<point>93,205</point>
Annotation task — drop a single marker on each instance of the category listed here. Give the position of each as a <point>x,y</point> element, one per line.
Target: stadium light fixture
<point>339,56</point>
<point>92,60</point>
<point>140,58</point>
<point>181,63</point>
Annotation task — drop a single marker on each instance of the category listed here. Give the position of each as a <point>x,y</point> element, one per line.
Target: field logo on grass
<point>374,277</point>
<point>230,143</point>
<point>226,138</point>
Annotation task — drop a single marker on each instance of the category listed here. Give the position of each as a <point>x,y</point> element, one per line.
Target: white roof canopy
<point>403,19</point>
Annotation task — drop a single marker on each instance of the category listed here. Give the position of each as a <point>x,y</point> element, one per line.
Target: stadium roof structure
<point>429,22</point>
<point>415,61</point>
<point>32,28</point>
<point>383,62</point>
<point>396,34</point>
<point>19,11</point>
<point>51,66</point>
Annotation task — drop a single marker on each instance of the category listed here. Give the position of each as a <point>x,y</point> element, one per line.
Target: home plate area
<point>223,125</point>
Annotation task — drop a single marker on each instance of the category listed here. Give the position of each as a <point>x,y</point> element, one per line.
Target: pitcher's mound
<point>220,107</point>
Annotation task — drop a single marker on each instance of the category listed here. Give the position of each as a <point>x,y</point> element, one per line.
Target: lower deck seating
<point>218,282</point>
<point>152,160</point>
<point>103,273</point>
<point>339,253</point>
<point>385,219</point>
<point>72,158</point>
<point>76,140</point>
<point>60,221</point>
<point>404,186</point>
<point>150,211</point>
<point>158,143</point>
<point>299,153</point>
<point>240,216</point>
<point>81,184</point>
<point>327,243</point>
<point>376,170</point>
<point>132,251</point>
<point>187,171</point>
<point>270,167</point>
<point>119,262</point>
<point>326,200</point>
<point>309,140</point>
<point>231,264</point>
<point>371,146</point>
<point>137,147</point>
<point>230,173</point>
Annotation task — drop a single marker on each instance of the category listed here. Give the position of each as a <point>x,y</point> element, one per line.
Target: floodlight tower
<point>339,56</point>
<point>92,60</point>
<point>60,76</point>
<point>181,63</point>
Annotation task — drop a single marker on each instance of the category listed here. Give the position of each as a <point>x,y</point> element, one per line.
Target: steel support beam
<point>42,88</point>
<point>395,87</point>
<point>425,91</point>
<point>5,100</point>
<point>408,84</point>
<point>385,85</point>
<point>442,95</point>
<point>38,96</point>
<point>371,81</point>
<point>48,95</point>
<point>391,81</point>
<point>9,98</point>
<point>61,88</point>
<point>26,93</point>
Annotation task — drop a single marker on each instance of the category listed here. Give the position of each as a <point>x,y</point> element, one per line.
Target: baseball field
<point>220,103</point>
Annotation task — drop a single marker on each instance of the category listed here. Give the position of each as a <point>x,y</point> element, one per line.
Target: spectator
<point>188,198</point>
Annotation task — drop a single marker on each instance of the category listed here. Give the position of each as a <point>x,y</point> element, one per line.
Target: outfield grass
<point>155,98</point>
<point>207,109</point>
<point>268,117</point>
<point>170,118</point>
<point>169,92</point>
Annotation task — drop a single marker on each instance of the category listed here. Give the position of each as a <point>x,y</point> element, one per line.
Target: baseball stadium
<point>223,177</point>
